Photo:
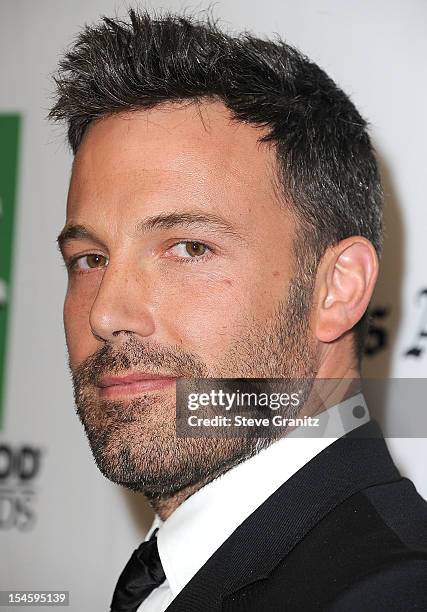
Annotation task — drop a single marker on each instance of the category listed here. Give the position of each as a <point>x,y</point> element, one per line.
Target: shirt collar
<point>200,525</point>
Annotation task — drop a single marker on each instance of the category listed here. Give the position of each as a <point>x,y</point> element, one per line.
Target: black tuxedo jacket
<point>346,532</point>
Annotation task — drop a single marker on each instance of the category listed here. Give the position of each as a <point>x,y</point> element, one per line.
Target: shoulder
<point>372,546</point>
<point>400,587</point>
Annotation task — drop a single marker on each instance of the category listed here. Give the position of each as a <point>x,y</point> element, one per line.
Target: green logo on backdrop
<point>9,133</point>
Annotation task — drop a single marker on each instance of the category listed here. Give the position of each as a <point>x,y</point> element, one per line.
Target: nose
<point>121,305</point>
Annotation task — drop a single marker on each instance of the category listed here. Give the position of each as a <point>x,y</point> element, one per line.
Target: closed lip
<point>128,379</point>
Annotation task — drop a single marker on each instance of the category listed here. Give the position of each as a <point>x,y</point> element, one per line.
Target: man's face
<point>184,268</point>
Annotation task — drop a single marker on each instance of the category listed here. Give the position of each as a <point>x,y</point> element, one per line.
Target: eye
<point>85,263</point>
<point>190,249</point>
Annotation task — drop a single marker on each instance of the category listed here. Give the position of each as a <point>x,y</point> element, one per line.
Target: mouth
<point>134,384</point>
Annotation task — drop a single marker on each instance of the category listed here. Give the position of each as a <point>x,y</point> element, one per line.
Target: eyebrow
<point>162,221</point>
<point>73,231</point>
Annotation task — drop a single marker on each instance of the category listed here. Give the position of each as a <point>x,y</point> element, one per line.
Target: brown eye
<point>84,263</point>
<point>190,250</point>
<point>95,261</point>
<point>195,248</point>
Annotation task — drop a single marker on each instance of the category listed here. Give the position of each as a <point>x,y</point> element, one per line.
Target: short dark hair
<point>326,165</point>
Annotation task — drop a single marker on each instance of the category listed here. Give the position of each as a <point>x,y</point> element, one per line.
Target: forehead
<point>190,149</point>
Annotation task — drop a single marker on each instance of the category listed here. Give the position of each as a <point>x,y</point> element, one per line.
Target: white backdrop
<point>83,527</point>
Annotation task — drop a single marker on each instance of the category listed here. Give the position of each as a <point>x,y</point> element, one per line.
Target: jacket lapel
<point>357,460</point>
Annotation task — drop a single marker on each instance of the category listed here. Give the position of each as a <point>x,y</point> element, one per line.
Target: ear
<point>345,281</point>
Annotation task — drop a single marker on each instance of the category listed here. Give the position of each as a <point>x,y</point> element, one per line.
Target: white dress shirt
<point>204,521</point>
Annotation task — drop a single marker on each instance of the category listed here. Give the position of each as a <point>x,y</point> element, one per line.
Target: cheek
<point>205,318</point>
<point>80,341</point>
<point>212,313</point>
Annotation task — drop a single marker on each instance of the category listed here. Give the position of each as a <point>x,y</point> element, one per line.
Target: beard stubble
<point>134,443</point>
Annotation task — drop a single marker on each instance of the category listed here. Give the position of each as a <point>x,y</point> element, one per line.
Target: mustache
<point>150,357</point>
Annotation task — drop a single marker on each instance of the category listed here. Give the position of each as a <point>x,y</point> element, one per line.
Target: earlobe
<point>345,282</point>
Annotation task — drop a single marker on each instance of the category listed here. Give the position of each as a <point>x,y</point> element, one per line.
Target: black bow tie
<point>142,573</point>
